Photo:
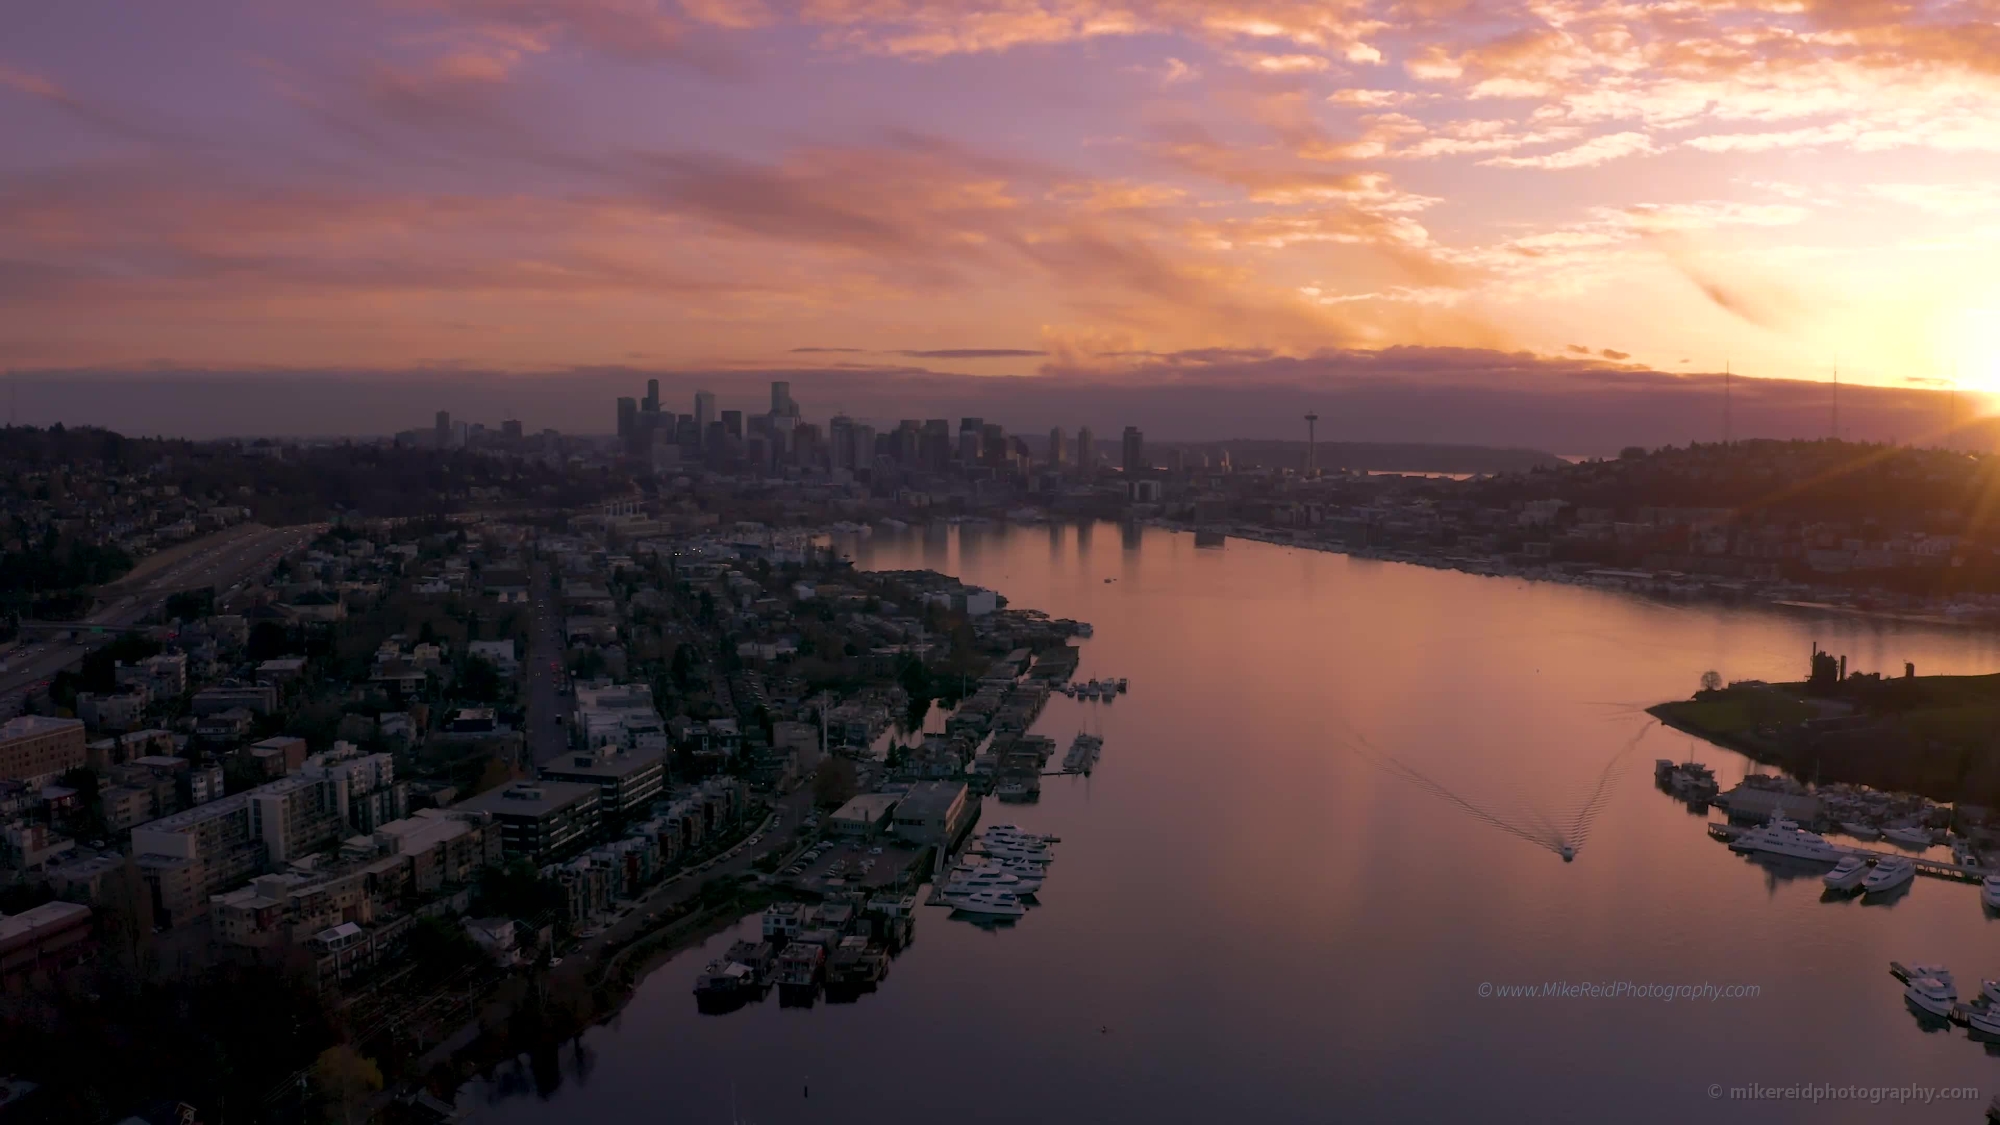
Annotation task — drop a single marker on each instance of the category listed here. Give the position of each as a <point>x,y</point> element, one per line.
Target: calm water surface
<point>1257,914</point>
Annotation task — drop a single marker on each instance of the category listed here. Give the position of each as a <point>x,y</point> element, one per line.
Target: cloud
<point>1579,349</point>
<point>971,353</point>
<point>807,351</point>
<point>1595,151</point>
<point>1611,353</point>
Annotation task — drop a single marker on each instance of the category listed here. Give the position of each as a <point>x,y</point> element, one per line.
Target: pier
<point>1935,868</point>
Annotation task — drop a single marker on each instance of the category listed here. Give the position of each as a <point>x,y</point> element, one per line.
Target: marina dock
<point>1938,869</point>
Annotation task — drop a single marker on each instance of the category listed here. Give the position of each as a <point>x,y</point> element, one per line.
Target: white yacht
<point>1890,872</point>
<point>1782,837</point>
<point>1860,831</point>
<point>1909,837</point>
<point>1847,874</point>
<point>1929,994</point>
<point>1016,852</point>
<point>1984,1020</point>
<point>1989,993</point>
<point>999,904</point>
<point>1989,891</point>
<point>964,880</point>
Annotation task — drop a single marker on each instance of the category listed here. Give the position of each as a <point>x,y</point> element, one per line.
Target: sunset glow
<point>1008,187</point>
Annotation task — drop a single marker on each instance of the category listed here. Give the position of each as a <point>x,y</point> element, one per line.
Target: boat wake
<point>1527,821</point>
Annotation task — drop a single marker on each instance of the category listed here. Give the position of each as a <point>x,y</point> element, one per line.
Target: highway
<point>223,566</point>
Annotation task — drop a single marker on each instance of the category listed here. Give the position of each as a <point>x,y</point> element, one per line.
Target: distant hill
<point>1391,456</point>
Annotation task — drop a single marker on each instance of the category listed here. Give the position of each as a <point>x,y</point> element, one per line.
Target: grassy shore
<point>1935,735</point>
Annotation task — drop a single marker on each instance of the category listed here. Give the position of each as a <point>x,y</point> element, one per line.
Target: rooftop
<point>523,799</point>
<point>45,915</point>
<point>610,767</point>
<point>24,726</point>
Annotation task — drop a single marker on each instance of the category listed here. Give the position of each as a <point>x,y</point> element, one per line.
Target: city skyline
<point>1050,190</point>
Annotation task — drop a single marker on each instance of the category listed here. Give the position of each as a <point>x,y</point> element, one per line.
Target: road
<point>547,737</point>
<point>228,562</point>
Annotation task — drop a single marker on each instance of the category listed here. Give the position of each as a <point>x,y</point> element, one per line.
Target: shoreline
<point>1666,586</point>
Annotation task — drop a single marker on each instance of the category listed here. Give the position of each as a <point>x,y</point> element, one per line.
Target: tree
<point>267,641</point>
<point>834,785</point>
<point>346,1079</point>
<point>1711,680</point>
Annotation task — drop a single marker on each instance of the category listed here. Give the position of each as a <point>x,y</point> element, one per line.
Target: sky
<point>1073,191</point>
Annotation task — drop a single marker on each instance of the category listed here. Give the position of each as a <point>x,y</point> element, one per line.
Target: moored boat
<point>1890,872</point>
<point>1847,874</point>
<point>1932,996</point>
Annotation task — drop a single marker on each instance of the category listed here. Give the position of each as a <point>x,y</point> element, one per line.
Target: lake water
<point>1258,913</point>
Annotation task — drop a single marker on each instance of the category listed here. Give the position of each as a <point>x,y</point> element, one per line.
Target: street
<point>546,737</point>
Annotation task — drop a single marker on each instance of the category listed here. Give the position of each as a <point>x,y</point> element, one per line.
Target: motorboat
<point>1890,872</point>
<point>1782,837</point>
<point>1989,891</point>
<point>998,904</point>
<point>1861,831</point>
<point>1963,855</point>
<point>1847,874</point>
<point>1909,837</point>
<point>1568,853</point>
<point>1989,993</point>
<point>1932,996</point>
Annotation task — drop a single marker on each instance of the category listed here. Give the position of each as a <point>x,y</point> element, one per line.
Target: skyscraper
<point>781,400</point>
<point>968,440</point>
<point>652,403</point>
<point>1086,450</point>
<point>1135,451</point>
<point>840,442</point>
<point>732,423</point>
<point>628,418</point>
<point>704,411</point>
<point>444,429</point>
<point>1058,451</point>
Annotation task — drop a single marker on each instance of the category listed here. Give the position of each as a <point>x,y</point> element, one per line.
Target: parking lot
<point>836,863</point>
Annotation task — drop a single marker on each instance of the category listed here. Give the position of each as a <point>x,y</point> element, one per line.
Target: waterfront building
<point>1086,450</point>
<point>1058,450</point>
<point>934,812</point>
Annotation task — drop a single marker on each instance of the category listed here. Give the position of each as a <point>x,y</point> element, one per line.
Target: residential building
<point>119,711</point>
<point>279,756</point>
<point>542,822</point>
<point>49,937</point>
<point>628,781</point>
<point>193,854</point>
<point>38,749</point>
<point>365,788</point>
<point>444,846</point>
<point>498,653</point>
<point>261,699</point>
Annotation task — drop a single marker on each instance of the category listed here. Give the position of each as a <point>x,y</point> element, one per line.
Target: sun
<point>1973,348</point>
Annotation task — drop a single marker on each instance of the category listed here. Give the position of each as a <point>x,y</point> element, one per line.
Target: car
<point>875,851</point>
<point>753,839</point>
<point>554,961</point>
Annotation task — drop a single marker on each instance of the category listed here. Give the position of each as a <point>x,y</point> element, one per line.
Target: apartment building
<point>541,822</point>
<point>38,749</point>
<point>628,781</point>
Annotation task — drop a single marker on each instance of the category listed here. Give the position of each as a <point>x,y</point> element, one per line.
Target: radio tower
<point>1312,422</point>
<point>1727,403</point>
